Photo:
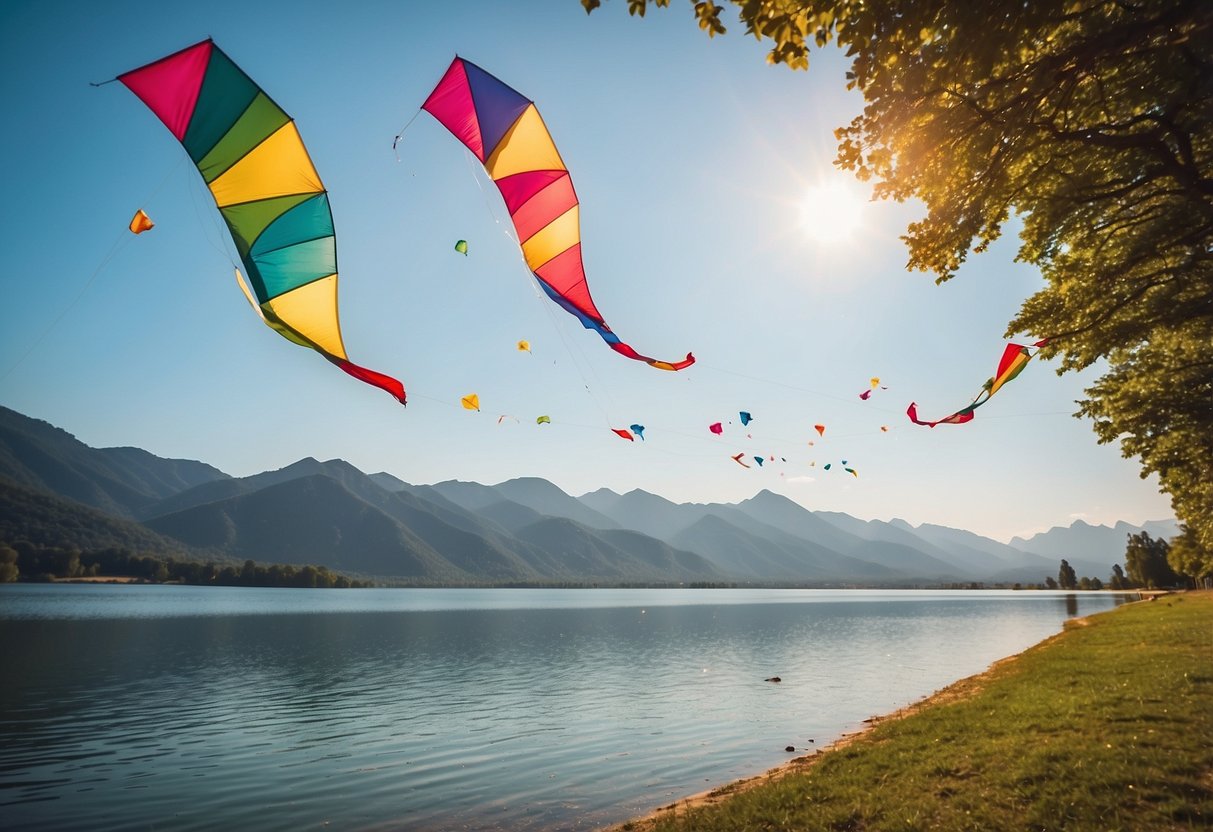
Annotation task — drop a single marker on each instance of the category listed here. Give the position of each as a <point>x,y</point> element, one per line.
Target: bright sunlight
<point>832,211</point>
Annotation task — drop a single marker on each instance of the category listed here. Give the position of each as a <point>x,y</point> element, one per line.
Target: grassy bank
<point>1107,726</point>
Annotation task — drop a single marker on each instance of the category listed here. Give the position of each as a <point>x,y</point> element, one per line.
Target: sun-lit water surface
<point>166,707</point>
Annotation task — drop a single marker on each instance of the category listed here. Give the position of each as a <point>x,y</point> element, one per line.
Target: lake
<point>174,707</point>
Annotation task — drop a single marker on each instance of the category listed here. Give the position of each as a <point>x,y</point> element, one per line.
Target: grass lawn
<point>1107,726</point>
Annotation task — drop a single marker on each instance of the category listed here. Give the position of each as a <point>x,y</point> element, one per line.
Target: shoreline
<point>960,689</point>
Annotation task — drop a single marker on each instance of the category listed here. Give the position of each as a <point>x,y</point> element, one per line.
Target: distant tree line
<point>1150,563</point>
<point>23,560</point>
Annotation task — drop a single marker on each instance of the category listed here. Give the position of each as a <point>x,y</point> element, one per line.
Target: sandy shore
<point>957,690</point>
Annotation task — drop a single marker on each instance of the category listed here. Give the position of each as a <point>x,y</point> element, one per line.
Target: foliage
<point>9,571</point>
<point>1088,121</point>
<point>1104,727</point>
<point>1066,578</point>
<point>47,520</point>
<point>1118,579</point>
<point>1146,562</point>
<point>1188,558</point>
<point>46,563</point>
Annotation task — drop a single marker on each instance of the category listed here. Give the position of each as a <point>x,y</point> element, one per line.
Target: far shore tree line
<point>25,561</point>
<point>1150,563</point>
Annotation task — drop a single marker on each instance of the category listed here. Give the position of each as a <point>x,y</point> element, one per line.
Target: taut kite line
<point>1014,359</point>
<point>504,130</point>
<point>265,186</point>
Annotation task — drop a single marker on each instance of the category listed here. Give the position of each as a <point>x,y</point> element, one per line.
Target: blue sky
<point>692,159</point>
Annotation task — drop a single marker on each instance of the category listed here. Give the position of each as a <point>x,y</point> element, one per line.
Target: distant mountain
<point>48,521</point>
<point>1099,544</point>
<point>311,519</point>
<point>615,556</point>
<point>118,481</point>
<point>388,482</point>
<point>545,498</point>
<point>644,512</point>
<point>525,530</point>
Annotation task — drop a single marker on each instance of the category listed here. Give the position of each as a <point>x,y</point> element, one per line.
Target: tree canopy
<point>1088,121</point>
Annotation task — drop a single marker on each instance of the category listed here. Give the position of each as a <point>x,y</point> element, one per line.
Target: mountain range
<point>523,531</point>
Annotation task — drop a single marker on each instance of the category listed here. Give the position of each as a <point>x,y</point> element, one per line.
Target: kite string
<point>115,247</point>
<point>578,359</point>
<point>400,135</point>
<point>120,242</point>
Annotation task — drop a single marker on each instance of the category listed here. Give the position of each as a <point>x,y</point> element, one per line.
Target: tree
<point>1187,558</point>
<point>1090,122</point>
<point>1066,578</point>
<point>1050,583</point>
<point>1146,561</point>
<point>1118,579</point>
<point>8,564</point>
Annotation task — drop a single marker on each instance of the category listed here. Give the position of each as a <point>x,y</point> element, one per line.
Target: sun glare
<point>832,211</point>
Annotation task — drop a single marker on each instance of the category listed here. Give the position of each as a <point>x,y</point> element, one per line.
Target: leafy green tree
<point>1118,579</point>
<point>1188,558</point>
<point>1066,578</point>
<point>1050,583</point>
<point>1091,123</point>
<point>9,571</point>
<point>1146,561</point>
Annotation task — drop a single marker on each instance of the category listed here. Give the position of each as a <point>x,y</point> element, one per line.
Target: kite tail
<point>385,383</point>
<point>624,349</point>
<point>605,332</point>
<point>957,418</point>
<point>912,412</point>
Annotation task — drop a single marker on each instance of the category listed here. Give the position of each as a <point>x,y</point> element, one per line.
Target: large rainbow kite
<point>504,130</point>
<point>252,159</point>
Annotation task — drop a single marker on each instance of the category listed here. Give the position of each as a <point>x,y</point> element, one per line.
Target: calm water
<point>165,707</point>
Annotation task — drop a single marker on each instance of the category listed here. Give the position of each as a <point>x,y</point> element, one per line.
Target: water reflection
<point>493,717</point>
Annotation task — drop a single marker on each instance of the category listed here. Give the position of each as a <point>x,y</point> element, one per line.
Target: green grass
<point>1107,726</point>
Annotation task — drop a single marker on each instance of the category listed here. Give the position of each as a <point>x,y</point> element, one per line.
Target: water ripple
<point>138,707</point>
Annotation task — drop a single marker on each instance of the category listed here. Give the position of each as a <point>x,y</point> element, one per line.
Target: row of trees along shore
<point>1151,564</point>
<point>23,560</point>
<point>1089,125</point>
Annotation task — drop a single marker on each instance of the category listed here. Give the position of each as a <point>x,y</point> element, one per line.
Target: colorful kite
<point>639,431</point>
<point>1014,359</point>
<point>252,159</point>
<point>462,247</point>
<point>524,346</point>
<point>470,402</point>
<point>543,420</point>
<point>716,428</point>
<point>851,471</point>
<point>737,459</point>
<point>141,222</point>
<point>622,434</point>
<point>874,381</point>
<point>821,429</point>
<point>746,418</point>
<point>502,128</point>
<point>758,459</point>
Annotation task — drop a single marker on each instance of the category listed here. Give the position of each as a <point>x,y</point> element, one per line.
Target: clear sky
<point>694,162</point>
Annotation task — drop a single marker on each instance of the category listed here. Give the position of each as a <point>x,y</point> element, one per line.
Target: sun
<point>831,211</point>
